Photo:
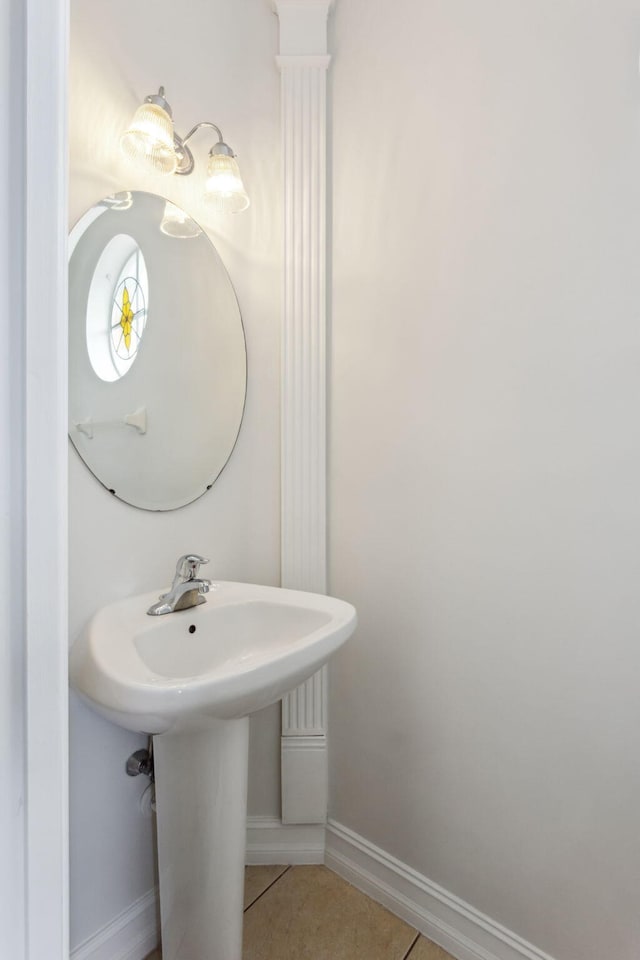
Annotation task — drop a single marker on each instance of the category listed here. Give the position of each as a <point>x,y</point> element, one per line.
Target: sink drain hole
<point>192,628</point>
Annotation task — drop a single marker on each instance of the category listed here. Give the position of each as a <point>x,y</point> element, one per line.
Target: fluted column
<point>303,64</point>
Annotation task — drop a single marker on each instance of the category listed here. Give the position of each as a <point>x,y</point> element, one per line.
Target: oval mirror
<point>157,357</point>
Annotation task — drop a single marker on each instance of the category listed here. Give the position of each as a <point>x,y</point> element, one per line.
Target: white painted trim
<point>303,65</point>
<point>303,26</point>
<point>321,60</point>
<point>132,935</point>
<point>304,709</point>
<point>305,772</point>
<point>269,841</point>
<point>46,577</point>
<point>12,548</point>
<point>444,918</point>
<point>459,928</point>
<point>303,547</point>
<point>282,6</point>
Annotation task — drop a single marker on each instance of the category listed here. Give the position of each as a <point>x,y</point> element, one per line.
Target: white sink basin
<point>243,649</point>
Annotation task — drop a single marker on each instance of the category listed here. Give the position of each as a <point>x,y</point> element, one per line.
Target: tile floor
<point>309,913</point>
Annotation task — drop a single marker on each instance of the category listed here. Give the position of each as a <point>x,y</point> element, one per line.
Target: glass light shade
<point>149,139</point>
<point>177,223</point>
<point>224,190</point>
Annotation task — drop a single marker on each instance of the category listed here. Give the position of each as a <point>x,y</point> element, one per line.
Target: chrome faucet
<point>187,589</point>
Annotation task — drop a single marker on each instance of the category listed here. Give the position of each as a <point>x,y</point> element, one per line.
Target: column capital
<point>303,26</point>
<point>307,61</point>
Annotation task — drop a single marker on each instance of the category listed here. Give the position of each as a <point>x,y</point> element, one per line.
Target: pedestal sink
<point>191,679</point>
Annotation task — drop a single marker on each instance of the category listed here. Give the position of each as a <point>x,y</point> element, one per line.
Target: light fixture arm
<point>203,123</point>
<point>185,157</point>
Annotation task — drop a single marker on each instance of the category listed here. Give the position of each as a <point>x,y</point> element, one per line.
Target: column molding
<point>303,63</point>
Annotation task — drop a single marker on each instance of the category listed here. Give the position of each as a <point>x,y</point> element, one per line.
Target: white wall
<point>486,457</point>
<point>216,61</point>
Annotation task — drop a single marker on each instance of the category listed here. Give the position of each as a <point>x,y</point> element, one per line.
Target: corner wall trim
<point>441,916</point>
<point>303,63</point>
<point>132,935</point>
<point>270,841</point>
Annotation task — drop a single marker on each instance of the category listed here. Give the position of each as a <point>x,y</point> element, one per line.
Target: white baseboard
<point>456,926</point>
<point>271,841</point>
<point>131,936</point>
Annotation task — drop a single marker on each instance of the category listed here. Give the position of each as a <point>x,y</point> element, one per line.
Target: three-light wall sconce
<point>151,141</point>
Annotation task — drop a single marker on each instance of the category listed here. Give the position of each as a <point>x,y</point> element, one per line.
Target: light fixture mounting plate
<point>184,155</point>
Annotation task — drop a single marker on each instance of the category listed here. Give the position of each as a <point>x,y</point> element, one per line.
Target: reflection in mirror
<point>157,359</point>
<point>117,313</point>
<point>177,223</point>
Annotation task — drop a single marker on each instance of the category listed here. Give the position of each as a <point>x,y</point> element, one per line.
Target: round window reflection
<point>117,308</point>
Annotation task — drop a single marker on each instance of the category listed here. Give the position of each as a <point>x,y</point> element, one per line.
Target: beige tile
<point>312,914</point>
<point>425,950</point>
<point>256,881</point>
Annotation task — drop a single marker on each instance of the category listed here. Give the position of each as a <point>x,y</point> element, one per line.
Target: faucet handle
<point>187,567</point>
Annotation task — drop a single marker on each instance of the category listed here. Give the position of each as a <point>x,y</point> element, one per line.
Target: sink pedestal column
<point>201,802</point>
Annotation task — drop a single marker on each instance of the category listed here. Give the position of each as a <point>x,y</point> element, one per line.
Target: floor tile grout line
<point>279,877</point>
<point>413,943</point>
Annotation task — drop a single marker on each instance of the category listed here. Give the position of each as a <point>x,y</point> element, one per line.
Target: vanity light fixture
<point>152,141</point>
